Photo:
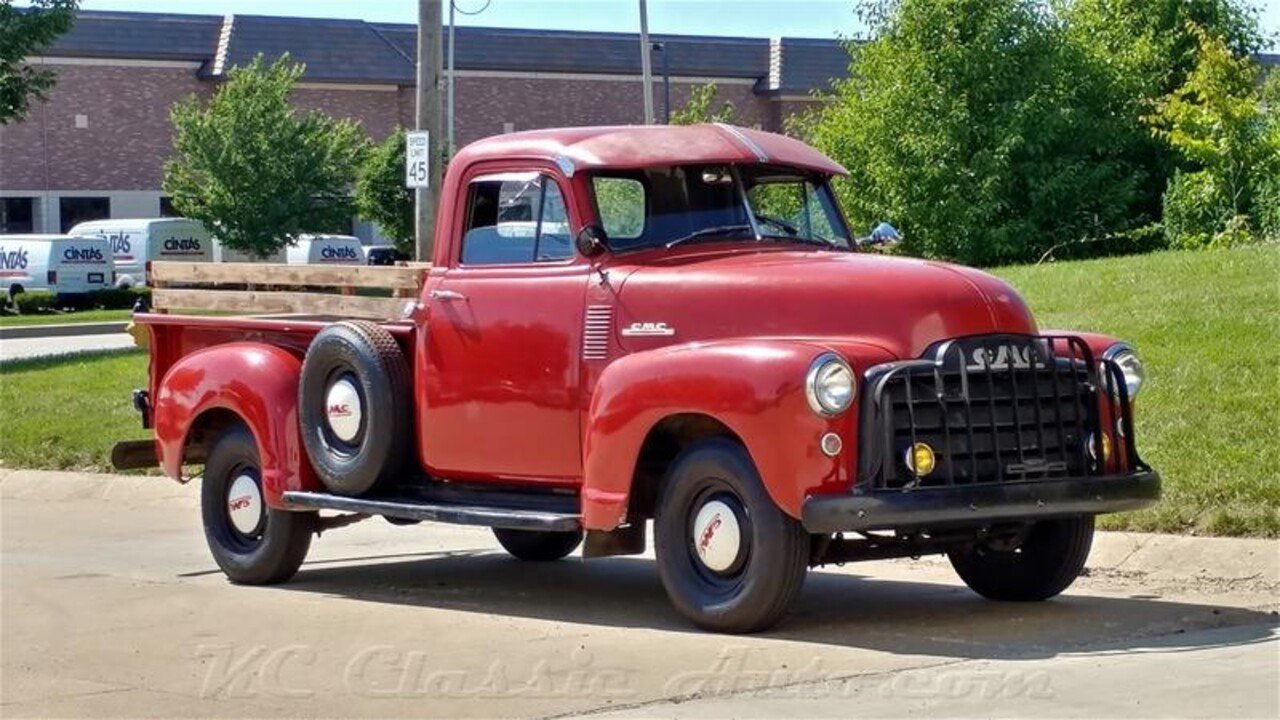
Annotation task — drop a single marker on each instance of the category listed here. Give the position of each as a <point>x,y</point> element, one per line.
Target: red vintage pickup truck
<point>625,324</point>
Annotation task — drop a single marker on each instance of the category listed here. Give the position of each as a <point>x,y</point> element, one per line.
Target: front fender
<point>754,387</point>
<point>257,382</point>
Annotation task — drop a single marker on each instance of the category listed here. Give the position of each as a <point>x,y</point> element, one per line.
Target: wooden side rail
<point>252,288</point>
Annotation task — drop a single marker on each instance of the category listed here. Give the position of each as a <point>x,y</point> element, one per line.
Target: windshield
<point>669,206</point>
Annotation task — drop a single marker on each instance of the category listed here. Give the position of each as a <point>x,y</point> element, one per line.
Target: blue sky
<point>759,18</point>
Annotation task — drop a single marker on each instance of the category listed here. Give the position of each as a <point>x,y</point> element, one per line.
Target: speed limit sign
<point>417,169</point>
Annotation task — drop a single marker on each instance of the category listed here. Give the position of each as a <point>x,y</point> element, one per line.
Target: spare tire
<point>354,402</point>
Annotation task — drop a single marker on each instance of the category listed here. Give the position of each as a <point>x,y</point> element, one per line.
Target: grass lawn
<point>82,316</point>
<point>1207,325</point>
<point>66,413</point>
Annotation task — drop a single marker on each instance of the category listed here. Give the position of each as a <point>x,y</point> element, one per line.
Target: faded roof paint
<point>638,146</point>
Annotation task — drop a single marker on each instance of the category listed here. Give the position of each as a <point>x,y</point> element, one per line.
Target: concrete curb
<point>61,330</point>
<point>1205,562</point>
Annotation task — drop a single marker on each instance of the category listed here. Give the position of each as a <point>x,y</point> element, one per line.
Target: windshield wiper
<point>800,239</point>
<point>707,233</point>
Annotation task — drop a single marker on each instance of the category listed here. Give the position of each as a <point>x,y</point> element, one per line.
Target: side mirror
<point>592,241</point>
<point>883,235</point>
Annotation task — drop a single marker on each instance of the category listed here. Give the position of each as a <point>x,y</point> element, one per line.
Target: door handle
<point>446,295</point>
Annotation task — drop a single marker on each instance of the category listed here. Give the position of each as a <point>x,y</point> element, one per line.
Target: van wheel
<point>252,543</point>
<point>1045,563</point>
<point>538,545</point>
<point>730,560</point>
<point>354,401</point>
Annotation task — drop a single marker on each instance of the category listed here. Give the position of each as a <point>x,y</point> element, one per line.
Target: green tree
<point>1218,124</point>
<point>24,33</point>
<point>701,108</point>
<point>1147,50</point>
<point>977,129</point>
<point>256,171</point>
<point>381,195</point>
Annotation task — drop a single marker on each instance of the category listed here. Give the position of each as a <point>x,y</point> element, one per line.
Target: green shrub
<point>40,301</point>
<point>30,303</point>
<point>1195,210</point>
<point>118,299</point>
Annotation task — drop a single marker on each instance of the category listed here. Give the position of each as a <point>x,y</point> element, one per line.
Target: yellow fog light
<point>1106,447</point>
<point>919,459</point>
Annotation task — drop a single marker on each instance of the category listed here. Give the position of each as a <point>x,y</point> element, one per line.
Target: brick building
<point>97,147</point>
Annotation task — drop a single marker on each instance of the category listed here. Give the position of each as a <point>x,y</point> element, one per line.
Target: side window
<point>621,204</point>
<point>515,218</point>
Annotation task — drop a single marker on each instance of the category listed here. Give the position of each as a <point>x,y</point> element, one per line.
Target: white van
<point>225,254</point>
<point>326,250</point>
<point>134,243</point>
<point>61,264</point>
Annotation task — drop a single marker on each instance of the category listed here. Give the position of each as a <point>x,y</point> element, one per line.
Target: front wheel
<point>730,560</point>
<point>252,543</point>
<point>1047,560</point>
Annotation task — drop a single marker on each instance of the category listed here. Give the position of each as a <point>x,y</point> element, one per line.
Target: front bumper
<point>930,508</point>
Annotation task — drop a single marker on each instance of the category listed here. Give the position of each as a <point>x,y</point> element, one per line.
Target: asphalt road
<point>110,605</point>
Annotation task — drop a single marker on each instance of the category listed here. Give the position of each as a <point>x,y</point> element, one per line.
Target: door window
<point>516,218</point>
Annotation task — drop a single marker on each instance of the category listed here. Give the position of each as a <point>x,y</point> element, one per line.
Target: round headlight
<point>1130,365</point>
<point>830,385</point>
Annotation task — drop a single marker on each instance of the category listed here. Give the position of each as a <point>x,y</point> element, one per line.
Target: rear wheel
<point>538,545</point>
<point>730,560</point>
<point>1046,561</point>
<point>252,543</point>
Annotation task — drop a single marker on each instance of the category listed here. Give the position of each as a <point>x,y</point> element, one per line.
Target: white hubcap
<point>342,408</point>
<point>716,536</point>
<point>244,504</point>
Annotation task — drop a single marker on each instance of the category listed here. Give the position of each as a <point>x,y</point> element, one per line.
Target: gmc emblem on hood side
<point>648,329</point>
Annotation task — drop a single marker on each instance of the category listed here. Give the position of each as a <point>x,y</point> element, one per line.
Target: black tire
<point>538,545</point>
<point>273,551</point>
<point>368,358</point>
<point>1048,560</point>
<point>768,568</point>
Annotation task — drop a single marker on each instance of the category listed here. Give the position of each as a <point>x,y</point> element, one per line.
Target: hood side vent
<point>596,332</point>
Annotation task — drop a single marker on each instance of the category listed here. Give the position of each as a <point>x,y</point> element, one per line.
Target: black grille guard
<point>968,385</point>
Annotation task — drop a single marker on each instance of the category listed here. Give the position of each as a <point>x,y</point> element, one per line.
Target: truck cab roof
<point>631,146</point>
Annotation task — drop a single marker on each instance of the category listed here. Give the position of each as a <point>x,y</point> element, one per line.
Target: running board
<point>435,511</point>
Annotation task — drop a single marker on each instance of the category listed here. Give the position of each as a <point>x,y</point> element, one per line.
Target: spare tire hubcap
<point>343,411</point>
<point>717,536</point>
<point>244,504</point>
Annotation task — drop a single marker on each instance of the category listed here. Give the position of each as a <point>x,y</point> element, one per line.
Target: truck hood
<point>902,305</point>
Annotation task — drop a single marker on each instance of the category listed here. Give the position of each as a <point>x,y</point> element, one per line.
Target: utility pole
<point>449,77</point>
<point>646,69</point>
<point>428,119</point>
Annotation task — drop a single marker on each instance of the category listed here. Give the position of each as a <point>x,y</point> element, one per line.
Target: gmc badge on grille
<point>1035,465</point>
<point>1003,357</point>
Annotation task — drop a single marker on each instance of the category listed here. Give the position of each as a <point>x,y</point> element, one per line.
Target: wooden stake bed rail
<point>249,288</point>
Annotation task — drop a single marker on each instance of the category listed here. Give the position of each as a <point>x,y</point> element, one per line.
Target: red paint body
<point>503,390</point>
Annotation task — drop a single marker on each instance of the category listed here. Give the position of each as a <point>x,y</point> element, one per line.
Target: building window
<point>167,209</point>
<point>74,210</point>
<point>17,215</point>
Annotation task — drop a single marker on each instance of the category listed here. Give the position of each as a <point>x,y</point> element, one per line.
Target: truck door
<point>502,389</point>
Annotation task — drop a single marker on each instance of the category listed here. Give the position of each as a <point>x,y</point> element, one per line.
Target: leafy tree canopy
<point>701,108</point>
<point>256,171</point>
<point>979,130</point>
<point>26,32</point>
<point>381,195</point>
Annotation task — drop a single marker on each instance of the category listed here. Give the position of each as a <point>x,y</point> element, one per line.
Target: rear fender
<point>753,387</point>
<point>257,382</point>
